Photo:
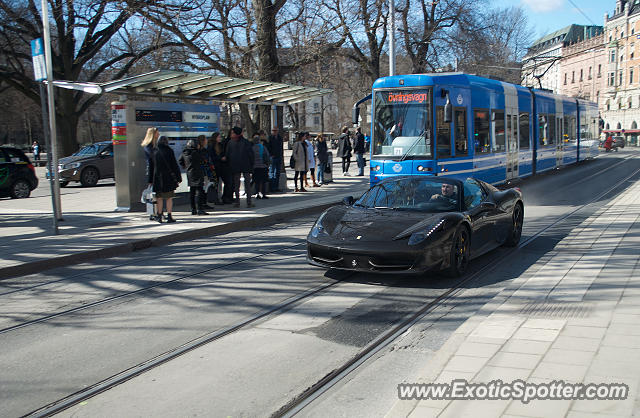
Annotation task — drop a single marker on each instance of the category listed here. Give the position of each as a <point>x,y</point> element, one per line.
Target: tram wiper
<point>422,136</point>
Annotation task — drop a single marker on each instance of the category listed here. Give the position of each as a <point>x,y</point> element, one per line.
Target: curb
<point>143,244</point>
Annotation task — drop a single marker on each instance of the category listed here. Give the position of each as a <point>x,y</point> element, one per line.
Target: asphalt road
<point>256,370</point>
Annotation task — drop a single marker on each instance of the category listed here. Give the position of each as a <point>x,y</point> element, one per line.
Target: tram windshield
<point>402,124</point>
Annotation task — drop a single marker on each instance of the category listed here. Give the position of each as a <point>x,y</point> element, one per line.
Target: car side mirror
<point>347,201</point>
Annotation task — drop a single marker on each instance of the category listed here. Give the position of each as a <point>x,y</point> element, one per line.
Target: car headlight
<point>419,236</point>
<point>70,165</point>
<point>318,229</point>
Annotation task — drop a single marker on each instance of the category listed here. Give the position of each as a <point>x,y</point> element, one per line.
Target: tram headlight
<point>376,168</point>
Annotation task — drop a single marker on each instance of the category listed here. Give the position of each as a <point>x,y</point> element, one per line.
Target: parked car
<point>17,174</point>
<point>87,165</point>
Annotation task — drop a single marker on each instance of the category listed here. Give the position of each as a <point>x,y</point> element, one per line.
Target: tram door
<point>511,102</point>
<point>559,140</point>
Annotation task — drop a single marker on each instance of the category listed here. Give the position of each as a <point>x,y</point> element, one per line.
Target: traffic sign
<point>37,54</point>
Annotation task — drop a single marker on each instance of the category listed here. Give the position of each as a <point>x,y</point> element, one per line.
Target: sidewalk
<point>91,229</point>
<point>572,316</point>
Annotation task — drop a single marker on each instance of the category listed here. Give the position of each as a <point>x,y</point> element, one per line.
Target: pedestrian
<point>311,157</point>
<point>166,177</point>
<point>276,152</point>
<point>358,149</point>
<point>323,158</point>
<point>300,162</point>
<point>216,150</point>
<point>36,151</point>
<point>191,161</point>
<point>210,176</point>
<point>260,166</point>
<point>239,155</point>
<point>344,150</point>
<point>149,144</point>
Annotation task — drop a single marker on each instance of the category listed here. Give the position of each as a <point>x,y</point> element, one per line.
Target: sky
<point>546,16</point>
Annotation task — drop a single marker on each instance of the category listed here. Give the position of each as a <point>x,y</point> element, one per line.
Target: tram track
<point>329,380</point>
<point>320,387</point>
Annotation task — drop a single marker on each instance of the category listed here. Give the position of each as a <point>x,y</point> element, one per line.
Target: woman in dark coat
<point>166,177</point>
<point>323,158</point>
<point>191,160</point>
<point>216,152</point>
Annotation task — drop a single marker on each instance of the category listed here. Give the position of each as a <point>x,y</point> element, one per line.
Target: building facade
<point>583,69</point>
<point>621,102</point>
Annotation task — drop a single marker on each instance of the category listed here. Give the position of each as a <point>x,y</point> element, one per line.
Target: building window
<point>611,79</point>
<point>589,73</point>
<point>630,103</point>
<point>565,79</point>
<point>621,34</point>
<point>612,58</point>
<point>581,75</point>
<point>599,70</point>
<point>631,76</point>
<point>316,107</point>
<point>316,120</point>
<point>620,84</point>
<point>573,77</point>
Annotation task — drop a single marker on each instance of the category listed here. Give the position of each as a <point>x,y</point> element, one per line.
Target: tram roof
<point>452,78</point>
<point>195,86</point>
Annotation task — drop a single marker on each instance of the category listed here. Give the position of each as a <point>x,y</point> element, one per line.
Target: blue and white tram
<point>461,125</point>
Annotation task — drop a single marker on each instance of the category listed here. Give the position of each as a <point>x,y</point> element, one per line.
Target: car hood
<point>374,225</point>
<point>74,158</point>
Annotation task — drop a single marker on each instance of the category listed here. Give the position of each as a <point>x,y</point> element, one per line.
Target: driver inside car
<point>447,194</point>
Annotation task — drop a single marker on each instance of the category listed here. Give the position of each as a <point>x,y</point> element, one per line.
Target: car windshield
<point>402,124</point>
<point>88,150</point>
<point>415,194</point>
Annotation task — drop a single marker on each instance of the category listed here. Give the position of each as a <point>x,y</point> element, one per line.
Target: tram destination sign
<point>406,96</point>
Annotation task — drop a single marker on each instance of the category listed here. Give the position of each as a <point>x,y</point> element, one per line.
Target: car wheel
<point>20,189</point>
<point>63,183</point>
<point>516,226</point>
<point>459,254</point>
<point>89,177</point>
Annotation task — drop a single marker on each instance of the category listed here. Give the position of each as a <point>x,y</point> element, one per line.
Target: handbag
<point>292,162</point>
<point>147,195</point>
<point>212,193</point>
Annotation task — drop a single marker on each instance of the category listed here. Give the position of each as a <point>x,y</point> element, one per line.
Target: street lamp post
<point>392,37</point>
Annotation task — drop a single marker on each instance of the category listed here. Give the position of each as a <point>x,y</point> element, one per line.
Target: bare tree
<point>81,32</point>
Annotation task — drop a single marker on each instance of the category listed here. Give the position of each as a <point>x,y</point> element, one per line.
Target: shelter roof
<point>183,85</point>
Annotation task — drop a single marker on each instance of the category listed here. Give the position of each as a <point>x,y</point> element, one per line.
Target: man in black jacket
<point>344,150</point>
<point>358,148</point>
<point>239,155</point>
<point>275,150</point>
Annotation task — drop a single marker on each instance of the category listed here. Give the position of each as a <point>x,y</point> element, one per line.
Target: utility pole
<point>52,113</point>
<point>392,37</point>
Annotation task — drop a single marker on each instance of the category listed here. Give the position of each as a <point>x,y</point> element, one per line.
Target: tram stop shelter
<point>176,116</point>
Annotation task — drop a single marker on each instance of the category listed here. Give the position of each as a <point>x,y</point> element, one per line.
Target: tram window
<point>572,129</point>
<point>482,143</point>
<point>524,131</point>
<point>498,131</point>
<point>552,129</point>
<point>543,130</point>
<point>566,130</point>
<point>443,135</point>
<point>461,132</point>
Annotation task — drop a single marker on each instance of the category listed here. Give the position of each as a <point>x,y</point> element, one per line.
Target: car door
<point>480,210</point>
<point>5,172</point>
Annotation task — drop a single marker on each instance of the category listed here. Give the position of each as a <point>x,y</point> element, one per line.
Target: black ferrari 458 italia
<point>416,224</point>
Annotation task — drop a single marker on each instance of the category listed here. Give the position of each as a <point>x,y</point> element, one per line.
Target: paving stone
<point>583,331</point>
<point>493,331</point>
<point>566,372</point>
<point>555,324</point>
<point>614,369</point>
<point>478,349</point>
<point>576,343</point>
<point>465,364</point>
<point>424,412</point>
<point>562,356</point>
<point>448,376</point>
<point>506,374</point>
<point>526,346</point>
<point>616,353</point>
<point>475,409</point>
<point>515,360</point>
<point>539,408</point>
<point>617,340</point>
<point>622,318</point>
<point>536,334</point>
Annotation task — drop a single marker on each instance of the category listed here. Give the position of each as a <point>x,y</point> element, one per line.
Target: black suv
<point>17,174</point>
